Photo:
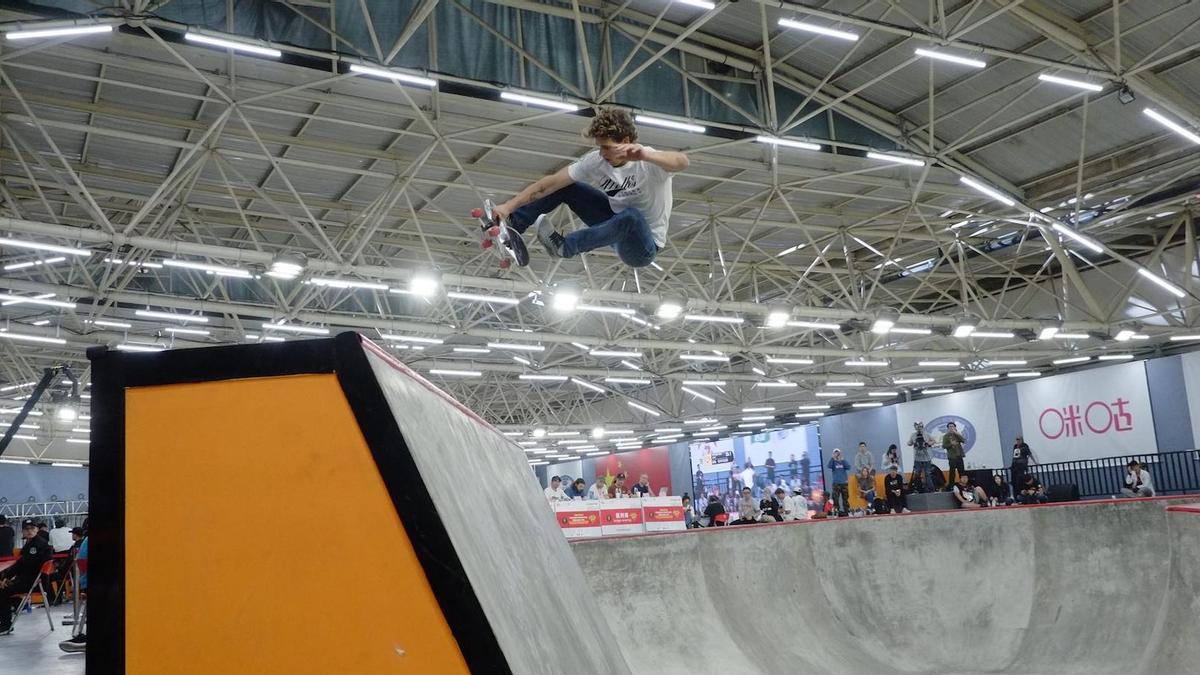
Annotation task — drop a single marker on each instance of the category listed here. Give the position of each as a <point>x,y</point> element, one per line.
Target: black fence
<point>1172,473</point>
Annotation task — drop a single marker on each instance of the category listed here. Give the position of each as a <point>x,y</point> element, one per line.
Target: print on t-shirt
<point>639,184</point>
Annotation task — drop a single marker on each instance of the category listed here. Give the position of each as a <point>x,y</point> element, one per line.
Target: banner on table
<point>663,514</point>
<point>1093,413</point>
<point>621,516</point>
<point>578,518</point>
<point>973,412</point>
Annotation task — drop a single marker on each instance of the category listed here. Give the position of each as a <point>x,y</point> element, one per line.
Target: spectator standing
<point>735,480</point>
<point>712,510</point>
<point>748,511</point>
<point>1031,491</point>
<point>748,477</point>
<point>554,492</point>
<point>18,578</point>
<point>8,538</point>
<point>998,491</point>
<point>599,489</point>
<point>770,468</point>
<point>60,536</point>
<point>892,456</point>
<point>863,460</point>
<point>689,513</point>
<point>839,474</point>
<point>893,490</point>
<point>1022,457</point>
<point>792,467</point>
<point>1137,481</point>
<point>922,460</point>
<point>968,496</point>
<point>805,468</point>
<point>866,488</point>
<point>953,443</point>
<point>642,487</point>
<point>698,489</point>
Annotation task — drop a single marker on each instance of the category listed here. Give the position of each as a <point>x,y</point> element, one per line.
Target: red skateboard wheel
<point>494,231</point>
<point>486,243</point>
<point>505,264</point>
<point>477,212</point>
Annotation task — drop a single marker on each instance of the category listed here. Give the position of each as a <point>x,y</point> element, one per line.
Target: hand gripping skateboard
<point>500,237</point>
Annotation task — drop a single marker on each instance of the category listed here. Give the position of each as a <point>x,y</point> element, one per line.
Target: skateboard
<point>500,238</point>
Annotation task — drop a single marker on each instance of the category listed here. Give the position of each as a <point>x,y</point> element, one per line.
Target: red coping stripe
<point>1185,508</point>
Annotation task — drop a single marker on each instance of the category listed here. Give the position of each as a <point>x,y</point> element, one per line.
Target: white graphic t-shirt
<point>639,185</point>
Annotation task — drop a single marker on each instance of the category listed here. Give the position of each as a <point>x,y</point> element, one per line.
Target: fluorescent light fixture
<point>235,45</point>
<point>1048,332</point>
<point>109,324</point>
<point>631,365</point>
<point>185,318</point>
<point>1114,357</point>
<point>951,58</point>
<point>588,385</point>
<point>16,461</point>
<point>187,331</point>
<point>704,383</point>
<point>757,418</point>
<point>777,385</point>
<point>867,404</point>
<point>897,159</point>
<point>1001,335</point>
<point>393,75</point>
<point>16,386</point>
<point>598,453</point>
<point>1071,359</point>
<point>713,319</point>
<point>810,415</point>
<point>669,310</point>
<point>702,4</point>
<point>148,265</point>
<point>543,378</point>
<point>719,427</point>
<point>24,437</point>
<point>538,432</point>
<point>412,338</point>
<point>603,309</point>
<point>703,397</point>
<point>1124,335</point>
<point>671,124</point>
<point>817,406</point>
<point>703,420</point>
<point>977,378</point>
<point>938,390</point>
<point>22,337</point>
<point>65,31</point>
<point>759,371</point>
<point>1162,283</point>
<point>617,354</point>
<point>639,406</point>
<point>1078,84</point>
<point>789,361</point>
<point>514,347</point>
<point>768,408</point>
<point>752,425</point>
<point>963,330</point>
<point>882,325</point>
<point>626,380</point>
<point>814,325</point>
<point>19,299</point>
<point>1172,125</point>
<point>565,301</point>
<point>865,363</point>
<point>563,434</point>
<point>777,319</point>
<point>814,28</point>
<point>831,394</point>
<point>134,347</point>
<point>1077,238</point>
<point>787,143</point>
<point>939,364</point>
<point>347,283</point>
<point>38,246</point>
<point>1008,362</point>
<point>1071,336</point>
<point>912,380</point>
<point>790,249</point>
<point>292,328</point>
<point>475,297</point>
<point>703,357</point>
<point>883,394</point>
<point>905,330</point>
<point>455,373</point>
<point>1183,338</point>
<point>987,190</point>
<point>1025,373</point>
<point>845,383</point>
<point>34,263</point>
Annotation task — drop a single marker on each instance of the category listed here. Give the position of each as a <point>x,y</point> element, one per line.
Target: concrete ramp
<point>1091,588</point>
<point>317,507</point>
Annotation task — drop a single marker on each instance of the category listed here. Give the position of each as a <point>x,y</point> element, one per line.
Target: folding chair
<point>27,600</point>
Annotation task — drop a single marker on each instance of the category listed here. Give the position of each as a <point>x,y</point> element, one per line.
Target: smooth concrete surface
<point>511,548</point>
<point>32,649</point>
<point>1087,588</point>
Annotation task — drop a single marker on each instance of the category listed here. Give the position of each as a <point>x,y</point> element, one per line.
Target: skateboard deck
<point>500,238</point>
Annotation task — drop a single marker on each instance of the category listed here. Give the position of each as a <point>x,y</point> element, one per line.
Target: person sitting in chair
<point>16,581</point>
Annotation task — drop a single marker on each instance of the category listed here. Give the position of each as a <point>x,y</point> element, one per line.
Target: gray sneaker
<point>550,239</point>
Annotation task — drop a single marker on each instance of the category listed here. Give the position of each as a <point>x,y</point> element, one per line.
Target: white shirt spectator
<point>60,539</point>
<point>748,477</point>
<point>796,508</point>
<point>598,491</point>
<point>1138,482</point>
<point>556,494</point>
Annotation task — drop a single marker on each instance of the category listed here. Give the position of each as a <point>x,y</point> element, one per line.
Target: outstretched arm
<point>542,187</point>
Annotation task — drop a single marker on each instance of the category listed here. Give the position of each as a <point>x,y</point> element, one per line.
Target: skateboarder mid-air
<point>621,190</point>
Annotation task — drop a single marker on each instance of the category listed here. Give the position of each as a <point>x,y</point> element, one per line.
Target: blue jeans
<point>626,232</point>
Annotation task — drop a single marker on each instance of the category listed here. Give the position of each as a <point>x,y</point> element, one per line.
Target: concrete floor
<point>33,648</point>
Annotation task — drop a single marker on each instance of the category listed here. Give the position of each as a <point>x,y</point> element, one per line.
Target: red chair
<point>37,587</point>
<point>722,518</point>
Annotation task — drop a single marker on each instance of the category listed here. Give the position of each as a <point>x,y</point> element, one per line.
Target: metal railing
<point>1173,473</point>
<point>73,510</point>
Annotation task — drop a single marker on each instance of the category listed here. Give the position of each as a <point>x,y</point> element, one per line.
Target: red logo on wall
<point>1098,417</point>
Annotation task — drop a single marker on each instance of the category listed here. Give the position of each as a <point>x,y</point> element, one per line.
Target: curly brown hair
<point>614,124</point>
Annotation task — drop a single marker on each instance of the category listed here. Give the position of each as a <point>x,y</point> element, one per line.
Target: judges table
<point>607,517</point>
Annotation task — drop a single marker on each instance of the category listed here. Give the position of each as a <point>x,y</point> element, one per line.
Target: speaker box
<point>1063,492</point>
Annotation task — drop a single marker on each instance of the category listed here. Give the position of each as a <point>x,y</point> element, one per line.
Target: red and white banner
<point>1093,413</point>
<point>621,516</point>
<point>578,518</point>
<point>663,514</point>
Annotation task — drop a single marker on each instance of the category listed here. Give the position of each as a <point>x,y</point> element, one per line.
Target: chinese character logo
<point>1097,417</point>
